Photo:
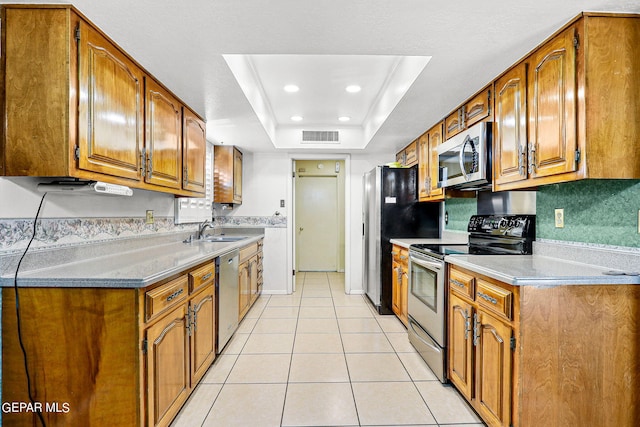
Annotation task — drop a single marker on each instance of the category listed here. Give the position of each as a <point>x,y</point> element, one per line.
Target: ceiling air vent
<point>320,137</point>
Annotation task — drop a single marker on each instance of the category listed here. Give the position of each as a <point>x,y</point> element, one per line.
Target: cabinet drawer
<point>248,251</point>
<point>461,283</point>
<point>201,277</point>
<point>479,108</point>
<point>162,298</point>
<point>495,298</point>
<point>395,252</point>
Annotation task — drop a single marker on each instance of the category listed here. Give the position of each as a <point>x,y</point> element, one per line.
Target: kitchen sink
<point>222,238</point>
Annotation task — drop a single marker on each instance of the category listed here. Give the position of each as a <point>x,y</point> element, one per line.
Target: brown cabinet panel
<point>478,108</point>
<point>435,139</point>
<point>201,277</point>
<point>194,152</point>
<point>162,298</point>
<point>510,137</point>
<point>423,167</point>
<point>552,99</point>
<point>227,174</point>
<point>202,308</point>
<point>110,109</point>
<point>493,370</point>
<point>163,144</point>
<point>454,123</point>
<point>167,367</point>
<point>460,345</point>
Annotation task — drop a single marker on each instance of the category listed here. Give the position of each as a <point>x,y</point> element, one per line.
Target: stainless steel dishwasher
<point>228,297</point>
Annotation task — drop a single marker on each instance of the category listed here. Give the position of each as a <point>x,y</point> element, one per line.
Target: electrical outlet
<point>149,217</point>
<point>282,203</point>
<point>559,215</point>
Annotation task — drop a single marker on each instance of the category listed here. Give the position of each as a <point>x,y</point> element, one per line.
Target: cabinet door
<point>110,110</point>
<point>479,108</point>
<point>411,154</point>
<point>460,345</point>
<point>493,369</point>
<point>552,107</point>
<point>253,279</point>
<point>167,368</point>
<point>396,289</point>
<point>194,152</point>
<point>435,139</point>
<point>244,288</point>
<point>163,145</point>
<point>423,168</point>
<point>404,294</point>
<point>509,142</point>
<point>202,309</point>
<point>237,176</point>
<point>454,123</point>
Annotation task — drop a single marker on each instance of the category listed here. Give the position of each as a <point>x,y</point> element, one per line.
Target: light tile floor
<point>321,358</point>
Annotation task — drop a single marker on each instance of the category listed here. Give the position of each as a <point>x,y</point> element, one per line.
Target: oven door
<point>426,303</point>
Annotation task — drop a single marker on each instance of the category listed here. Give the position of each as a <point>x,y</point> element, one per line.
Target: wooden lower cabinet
<point>564,355</point>
<point>105,356</point>
<point>249,276</point>
<point>400,287</point>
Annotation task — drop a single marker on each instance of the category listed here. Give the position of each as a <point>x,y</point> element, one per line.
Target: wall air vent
<point>320,137</point>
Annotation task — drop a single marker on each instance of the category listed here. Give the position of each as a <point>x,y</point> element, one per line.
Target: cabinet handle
<point>476,329</point>
<point>175,294</point>
<point>403,257</point>
<point>394,253</point>
<point>522,156</point>
<point>150,166</point>
<point>206,276</point>
<point>532,159</point>
<point>487,298</point>
<point>467,324</point>
<point>458,283</point>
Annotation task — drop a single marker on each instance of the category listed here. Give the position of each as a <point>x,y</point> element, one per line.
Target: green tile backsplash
<point>459,212</point>
<point>595,211</point>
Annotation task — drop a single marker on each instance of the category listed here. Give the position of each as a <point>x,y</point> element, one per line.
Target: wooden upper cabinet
<point>454,123</point>
<point>423,167</point>
<point>473,111</point>
<point>163,145</point>
<point>552,98</point>
<point>408,156</point>
<point>567,111</point>
<point>74,106</point>
<point>110,108</point>
<point>227,174</point>
<point>194,152</point>
<point>435,139</point>
<point>510,130</point>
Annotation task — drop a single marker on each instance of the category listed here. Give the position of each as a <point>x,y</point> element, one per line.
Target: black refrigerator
<point>391,210</point>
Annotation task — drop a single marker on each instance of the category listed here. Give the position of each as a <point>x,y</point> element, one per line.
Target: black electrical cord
<point>15,288</point>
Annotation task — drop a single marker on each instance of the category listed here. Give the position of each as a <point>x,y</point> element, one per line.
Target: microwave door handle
<point>464,144</point>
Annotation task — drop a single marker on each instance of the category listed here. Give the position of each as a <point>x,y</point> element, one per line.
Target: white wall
<point>266,178</point>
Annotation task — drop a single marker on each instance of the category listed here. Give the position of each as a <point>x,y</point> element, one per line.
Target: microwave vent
<point>320,136</point>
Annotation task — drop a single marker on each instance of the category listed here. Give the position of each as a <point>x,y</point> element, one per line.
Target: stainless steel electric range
<point>427,303</point>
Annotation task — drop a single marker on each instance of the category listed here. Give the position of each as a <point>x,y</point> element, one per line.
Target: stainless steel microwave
<point>465,159</point>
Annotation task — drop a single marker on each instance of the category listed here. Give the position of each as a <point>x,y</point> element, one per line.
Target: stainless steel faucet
<point>203,227</point>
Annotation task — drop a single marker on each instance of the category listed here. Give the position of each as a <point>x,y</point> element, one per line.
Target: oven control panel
<point>503,225</point>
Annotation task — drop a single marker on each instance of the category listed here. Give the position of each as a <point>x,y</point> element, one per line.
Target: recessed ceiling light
<point>344,118</point>
<point>291,88</point>
<point>296,118</point>
<point>353,89</point>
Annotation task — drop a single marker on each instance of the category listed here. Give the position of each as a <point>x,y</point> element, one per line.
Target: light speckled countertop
<point>122,266</point>
<point>552,264</point>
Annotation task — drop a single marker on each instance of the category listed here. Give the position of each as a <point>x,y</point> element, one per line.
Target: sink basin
<point>222,238</point>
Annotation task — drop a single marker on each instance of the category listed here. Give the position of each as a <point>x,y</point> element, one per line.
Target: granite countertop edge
<point>519,270</point>
<point>75,277</point>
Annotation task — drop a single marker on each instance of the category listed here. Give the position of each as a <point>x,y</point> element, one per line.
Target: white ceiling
<point>321,45</point>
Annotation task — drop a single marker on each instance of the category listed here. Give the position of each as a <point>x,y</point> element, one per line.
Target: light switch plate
<point>150,217</point>
<point>559,216</point>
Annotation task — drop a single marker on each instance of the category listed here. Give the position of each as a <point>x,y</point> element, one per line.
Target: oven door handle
<point>428,344</point>
<point>425,263</point>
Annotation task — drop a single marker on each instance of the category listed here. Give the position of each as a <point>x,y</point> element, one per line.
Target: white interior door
<point>316,219</point>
